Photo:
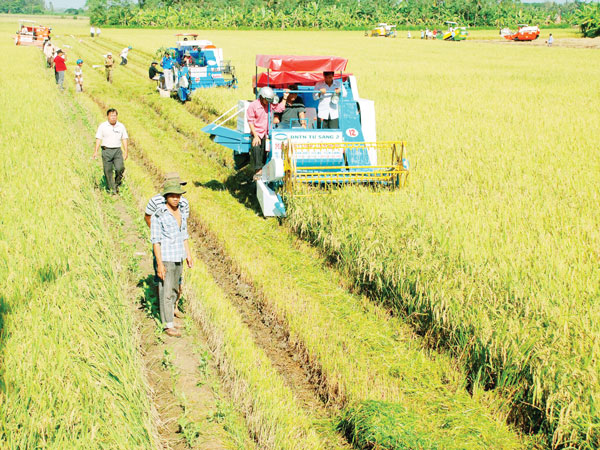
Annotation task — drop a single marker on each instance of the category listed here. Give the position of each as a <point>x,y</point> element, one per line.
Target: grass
<point>70,375</point>
<point>352,342</point>
<point>489,253</point>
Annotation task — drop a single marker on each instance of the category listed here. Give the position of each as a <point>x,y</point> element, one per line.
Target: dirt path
<point>179,370</point>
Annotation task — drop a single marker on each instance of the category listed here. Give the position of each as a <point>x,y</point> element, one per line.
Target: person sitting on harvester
<point>328,93</point>
<point>258,120</point>
<point>153,72</point>
<point>295,111</point>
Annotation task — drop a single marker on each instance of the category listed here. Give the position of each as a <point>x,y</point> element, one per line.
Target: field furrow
<point>363,354</point>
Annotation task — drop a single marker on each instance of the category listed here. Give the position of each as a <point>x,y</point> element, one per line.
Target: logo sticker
<point>352,132</point>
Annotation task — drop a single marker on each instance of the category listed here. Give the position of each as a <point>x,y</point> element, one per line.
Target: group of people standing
<point>166,214</point>
<point>57,59</point>
<point>290,112</point>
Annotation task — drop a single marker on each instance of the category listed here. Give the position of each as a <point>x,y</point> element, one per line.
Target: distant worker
<point>153,72</point>
<point>295,112</point>
<point>110,136</point>
<point>154,205</point>
<point>97,31</point>
<point>258,120</point>
<point>453,34</point>
<point>550,40</point>
<point>167,65</point>
<point>124,54</point>
<point>328,93</point>
<point>109,64</point>
<point>60,67</point>
<point>170,241</point>
<point>92,31</point>
<point>79,76</point>
<point>408,35</point>
<point>422,34</point>
<point>49,53</point>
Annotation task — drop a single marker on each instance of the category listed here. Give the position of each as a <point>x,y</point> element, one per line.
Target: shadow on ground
<point>149,297</point>
<point>240,186</point>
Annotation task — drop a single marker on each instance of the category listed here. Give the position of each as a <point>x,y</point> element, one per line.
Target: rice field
<point>490,254</point>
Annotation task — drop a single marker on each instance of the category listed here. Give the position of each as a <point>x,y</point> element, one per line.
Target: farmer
<point>79,76</point>
<point>550,40</point>
<point>109,63</point>
<point>60,67</point>
<point>124,54</point>
<point>110,135</point>
<point>167,65</point>
<point>169,237</point>
<point>294,113</point>
<point>258,120</point>
<point>153,72</point>
<point>328,93</point>
<point>97,32</point>
<point>49,52</point>
<point>155,204</point>
<point>92,31</point>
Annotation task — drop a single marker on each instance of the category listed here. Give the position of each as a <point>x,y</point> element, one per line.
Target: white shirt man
<point>328,93</point>
<point>110,135</point>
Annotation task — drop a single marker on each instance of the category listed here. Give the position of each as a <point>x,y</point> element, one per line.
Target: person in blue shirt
<point>167,65</point>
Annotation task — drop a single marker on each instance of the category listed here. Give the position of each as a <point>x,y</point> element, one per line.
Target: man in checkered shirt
<point>155,204</point>
<point>169,236</point>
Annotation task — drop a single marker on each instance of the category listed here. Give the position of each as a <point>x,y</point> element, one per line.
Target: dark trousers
<point>258,155</point>
<point>123,61</point>
<point>167,292</point>
<point>329,123</point>
<point>112,159</point>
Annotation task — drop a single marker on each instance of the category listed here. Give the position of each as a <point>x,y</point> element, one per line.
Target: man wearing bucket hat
<point>109,63</point>
<point>154,205</point>
<point>169,237</point>
<point>258,121</point>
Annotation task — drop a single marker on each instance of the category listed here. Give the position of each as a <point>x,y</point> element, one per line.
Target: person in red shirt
<point>257,116</point>
<point>60,67</point>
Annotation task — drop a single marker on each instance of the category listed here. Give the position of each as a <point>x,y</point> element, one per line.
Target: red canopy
<point>282,63</point>
<point>284,79</point>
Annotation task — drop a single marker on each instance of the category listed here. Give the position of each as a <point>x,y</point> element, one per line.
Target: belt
<point>109,148</point>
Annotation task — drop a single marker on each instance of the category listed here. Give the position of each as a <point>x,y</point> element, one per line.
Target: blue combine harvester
<point>200,65</point>
<point>301,152</point>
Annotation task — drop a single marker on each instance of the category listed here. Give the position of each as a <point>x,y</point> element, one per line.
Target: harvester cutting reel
<point>337,164</point>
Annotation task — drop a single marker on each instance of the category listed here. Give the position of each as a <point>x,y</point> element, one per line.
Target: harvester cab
<point>200,65</point>
<point>29,33</point>
<point>300,154</point>
<point>455,33</point>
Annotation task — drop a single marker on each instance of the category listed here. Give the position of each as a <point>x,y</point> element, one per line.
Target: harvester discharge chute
<point>300,154</point>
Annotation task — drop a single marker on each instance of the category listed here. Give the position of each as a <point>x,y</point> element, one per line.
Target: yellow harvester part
<point>340,172</point>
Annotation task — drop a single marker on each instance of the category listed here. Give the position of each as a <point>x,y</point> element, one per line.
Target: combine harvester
<point>206,69</point>
<point>382,30</point>
<point>303,155</point>
<point>454,33</point>
<point>31,34</point>
<point>525,33</point>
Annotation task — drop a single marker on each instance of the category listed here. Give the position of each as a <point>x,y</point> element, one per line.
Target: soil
<point>172,364</point>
